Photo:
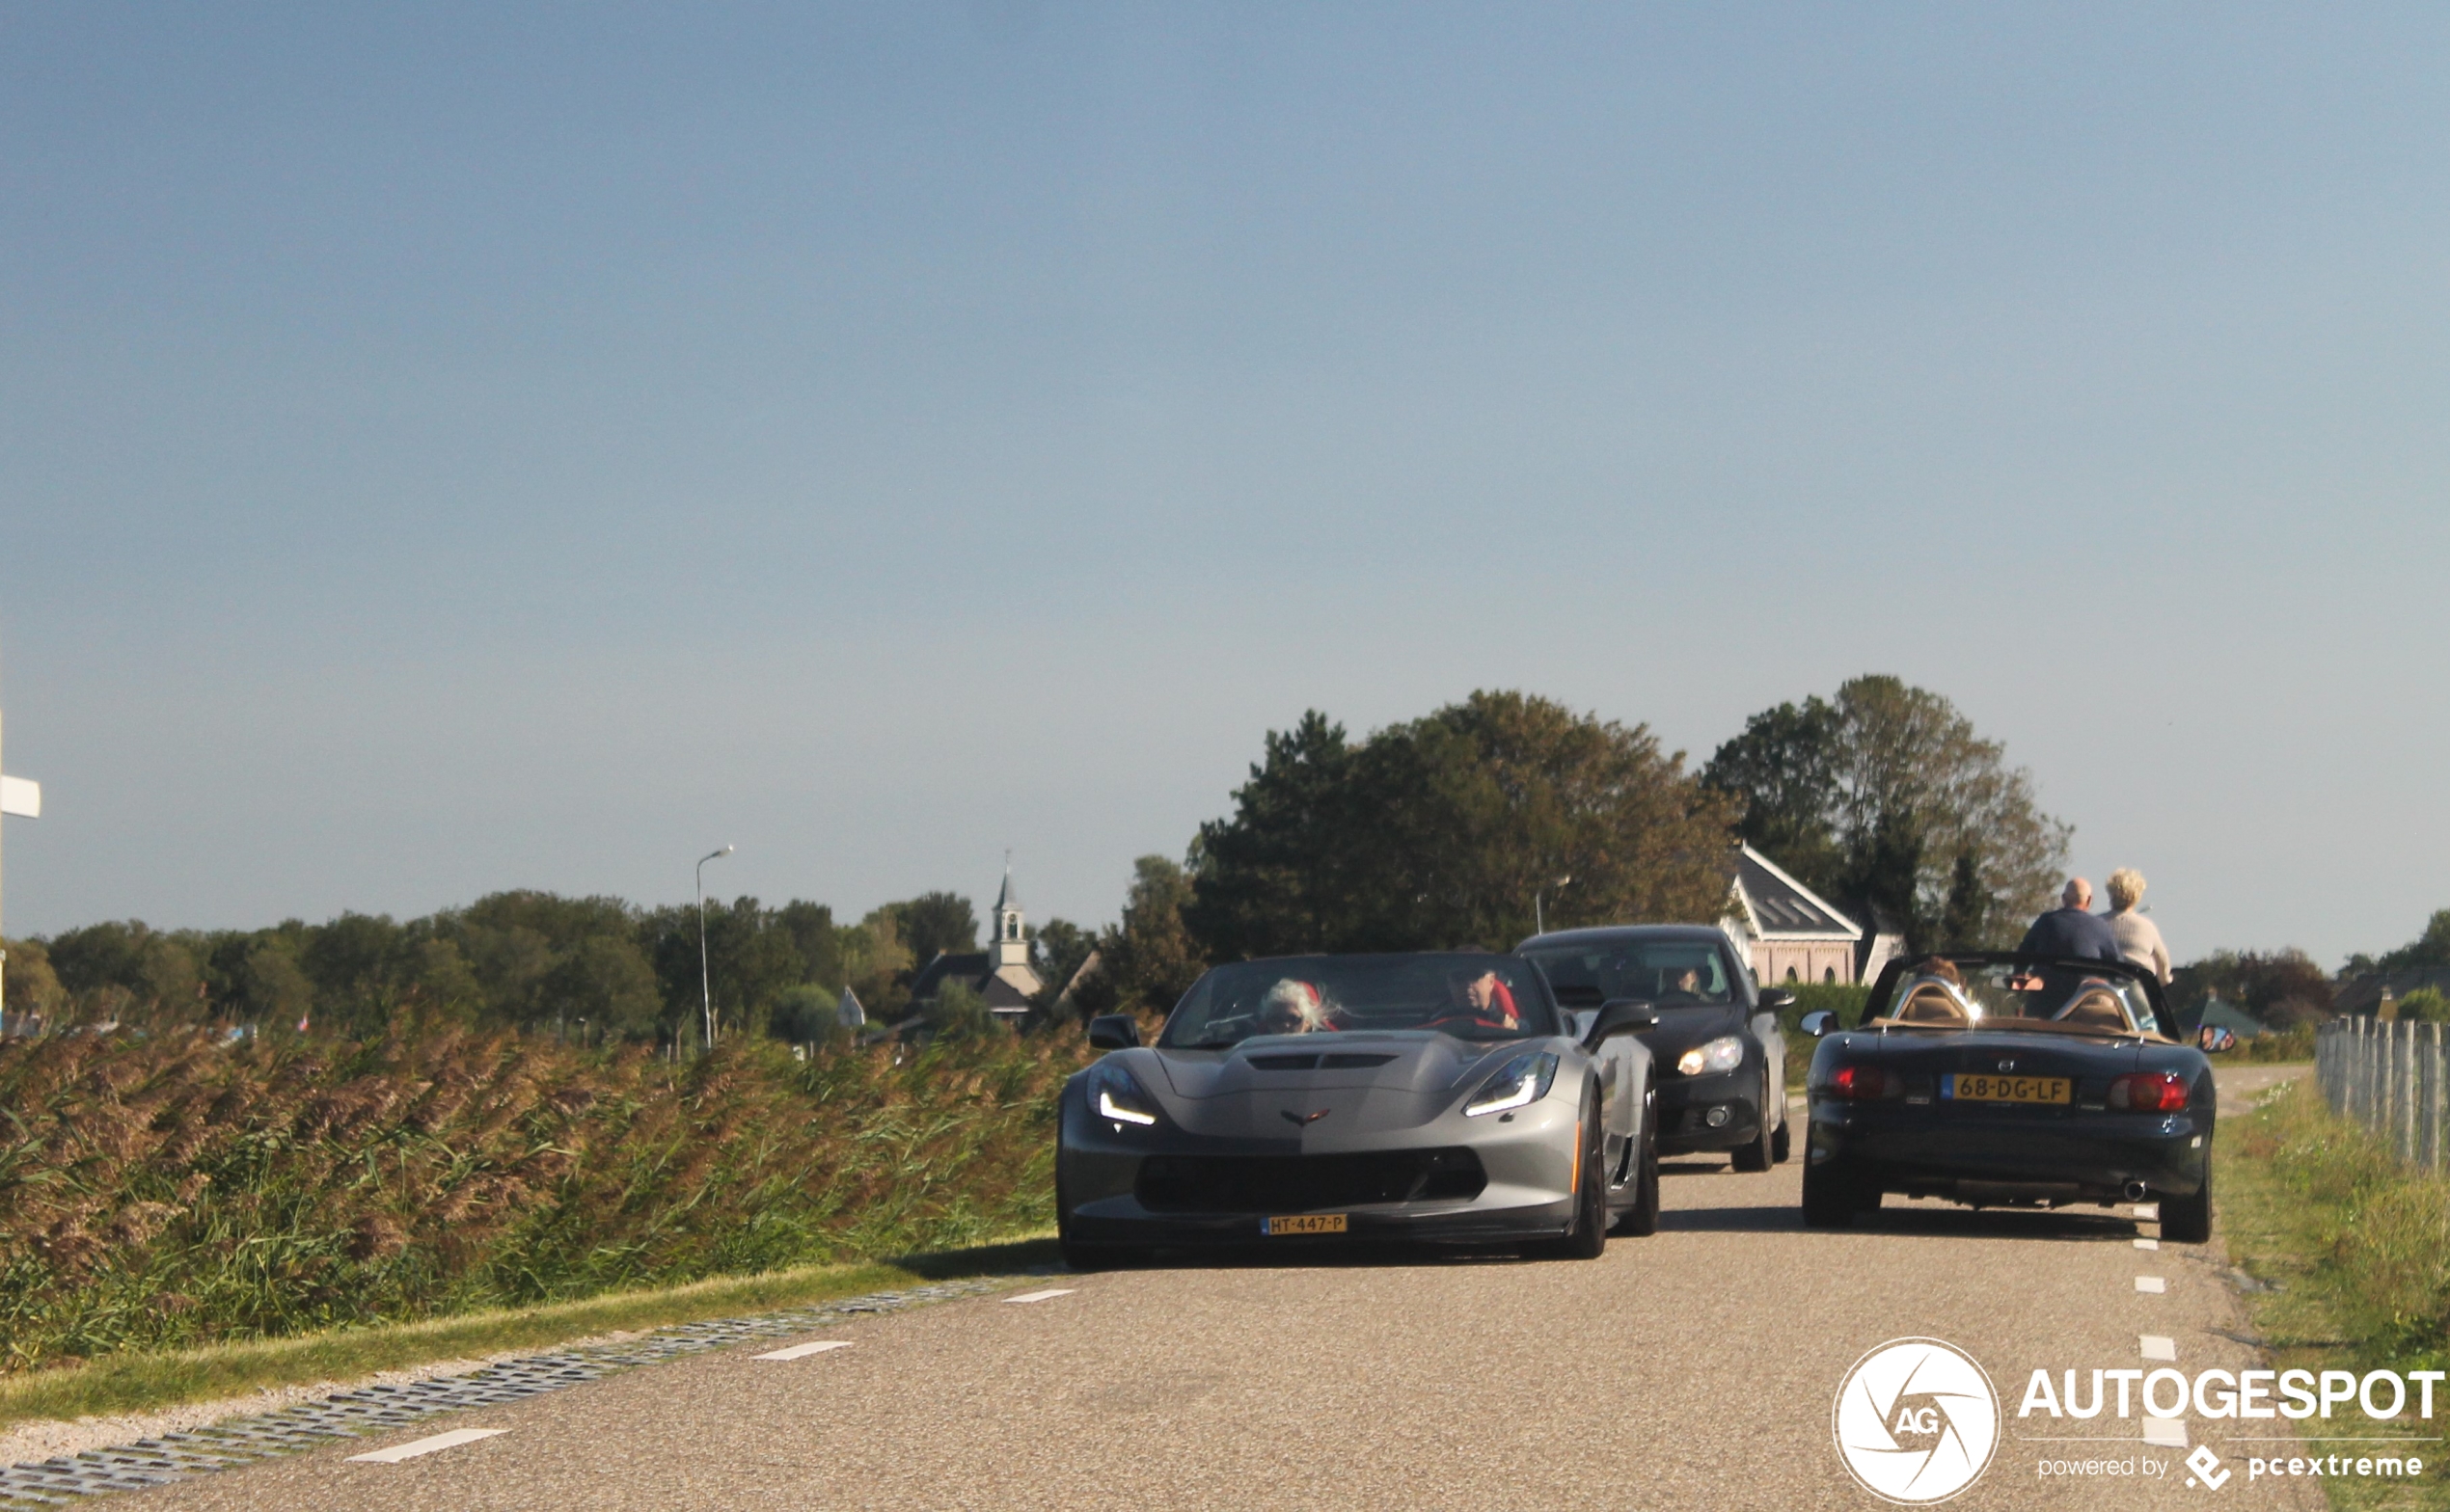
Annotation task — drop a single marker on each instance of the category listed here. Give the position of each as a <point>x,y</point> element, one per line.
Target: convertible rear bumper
<point>2081,1157</point>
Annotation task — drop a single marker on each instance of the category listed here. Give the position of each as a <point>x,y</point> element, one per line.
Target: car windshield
<point>1470,996</point>
<point>1943,993</point>
<point>1664,972</point>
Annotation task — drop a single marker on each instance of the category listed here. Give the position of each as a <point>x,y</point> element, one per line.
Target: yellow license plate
<point>2005,1089</point>
<point>1304,1222</point>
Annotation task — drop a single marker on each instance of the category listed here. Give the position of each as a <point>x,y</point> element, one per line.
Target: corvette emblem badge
<point>1305,1118</point>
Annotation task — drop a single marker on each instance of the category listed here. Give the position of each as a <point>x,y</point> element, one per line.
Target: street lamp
<point>705,978</point>
<point>1540,921</point>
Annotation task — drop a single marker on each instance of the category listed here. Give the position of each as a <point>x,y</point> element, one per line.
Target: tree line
<point>590,969</point>
<point>1462,827</point>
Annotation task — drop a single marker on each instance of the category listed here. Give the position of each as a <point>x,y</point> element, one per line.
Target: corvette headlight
<point>1518,1083</point>
<point>1723,1054</point>
<point>1114,1095</point>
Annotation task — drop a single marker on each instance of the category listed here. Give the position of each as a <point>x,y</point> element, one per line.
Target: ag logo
<point>1915,1421</point>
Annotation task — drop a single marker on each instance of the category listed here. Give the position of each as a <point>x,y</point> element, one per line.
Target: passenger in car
<point>1294,1006</point>
<point>1936,995</point>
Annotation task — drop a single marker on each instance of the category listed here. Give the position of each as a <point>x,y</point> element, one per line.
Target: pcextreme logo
<point>1916,1420</point>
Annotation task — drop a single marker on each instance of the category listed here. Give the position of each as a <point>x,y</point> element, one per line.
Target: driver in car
<point>1484,1000</point>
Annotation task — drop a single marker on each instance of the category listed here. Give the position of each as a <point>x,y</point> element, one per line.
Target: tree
<point>1058,949</point>
<point>1439,832</point>
<point>30,986</point>
<point>2432,948</point>
<point>1148,959</point>
<point>1887,795</point>
<point>1272,878</point>
<point>934,924</point>
<point>957,1012</point>
<point>2280,988</point>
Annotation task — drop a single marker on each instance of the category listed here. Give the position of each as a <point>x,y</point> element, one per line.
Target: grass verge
<point>139,1381</point>
<point>2348,1259</point>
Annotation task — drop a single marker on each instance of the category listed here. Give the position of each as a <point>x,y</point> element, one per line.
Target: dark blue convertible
<point>2013,1081</point>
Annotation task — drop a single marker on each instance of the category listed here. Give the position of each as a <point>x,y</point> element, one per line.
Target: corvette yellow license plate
<point>2005,1089</point>
<point>1305,1223</point>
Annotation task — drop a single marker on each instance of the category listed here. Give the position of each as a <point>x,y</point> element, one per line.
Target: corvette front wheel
<point>1589,1238</point>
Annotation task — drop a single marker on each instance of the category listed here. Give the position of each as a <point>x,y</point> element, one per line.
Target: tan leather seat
<point>1930,1003</point>
<point>2096,1009</point>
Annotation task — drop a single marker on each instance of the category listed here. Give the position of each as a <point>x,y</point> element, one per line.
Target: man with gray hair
<point>2070,930</point>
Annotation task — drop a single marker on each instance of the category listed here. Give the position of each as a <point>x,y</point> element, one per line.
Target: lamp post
<point>1539,920</point>
<point>705,977</point>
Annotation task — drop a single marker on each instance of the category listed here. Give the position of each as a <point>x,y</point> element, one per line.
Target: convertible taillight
<point>1858,1083</point>
<point>2149,1091</point>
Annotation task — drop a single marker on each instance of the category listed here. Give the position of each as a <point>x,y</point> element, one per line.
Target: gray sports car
<point>1436,1096</point>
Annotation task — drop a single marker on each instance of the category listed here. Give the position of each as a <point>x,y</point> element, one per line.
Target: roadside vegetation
<point>149,1380</point>
<point>2344,1254</point>
<point>176,1191</point>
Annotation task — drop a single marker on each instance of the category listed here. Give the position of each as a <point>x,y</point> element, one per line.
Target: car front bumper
<point>1686,1104</point>
<point>1526,1161</point>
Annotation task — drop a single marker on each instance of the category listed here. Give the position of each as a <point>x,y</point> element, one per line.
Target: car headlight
<point>1723,1054</point>
<point>1114,1095</point>
<point>1518,1083</point>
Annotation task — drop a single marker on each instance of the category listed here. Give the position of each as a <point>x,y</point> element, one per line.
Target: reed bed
<point>171,1191</point>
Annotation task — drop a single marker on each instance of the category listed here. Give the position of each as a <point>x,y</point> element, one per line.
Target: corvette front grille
<point>1304,1183</point>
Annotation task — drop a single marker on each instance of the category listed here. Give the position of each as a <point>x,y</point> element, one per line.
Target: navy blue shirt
<point>2071,931</point>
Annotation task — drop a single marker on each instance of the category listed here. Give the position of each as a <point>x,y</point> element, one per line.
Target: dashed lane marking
<point>427,1445</point>
<point>2155,1348</point>
<point>804,1351</point>
<point>2168,1433</point>
<point>2150,1283</point>
<point>1048,1295</point>
<point>2147,1244</point>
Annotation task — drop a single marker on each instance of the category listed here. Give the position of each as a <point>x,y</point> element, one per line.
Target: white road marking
<point>416,1446</point>
<point>804,1351</point>
<point>2155,1348</point>
<point>2150,1211</point>
<point>2151,1283</point>
<point>2147,1244</point>
<point>1041,1296</point>
<point>2169,1433</point>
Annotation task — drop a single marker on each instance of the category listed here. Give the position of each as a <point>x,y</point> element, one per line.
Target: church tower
<point>1011,979</point>
<point>1012,942</point>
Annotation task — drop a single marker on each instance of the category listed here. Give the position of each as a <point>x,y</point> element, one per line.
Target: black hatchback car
<point>1720,1057</point>
<point>2010,1080</point>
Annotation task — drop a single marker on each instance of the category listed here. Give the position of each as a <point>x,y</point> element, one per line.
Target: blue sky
<point>444,449</point>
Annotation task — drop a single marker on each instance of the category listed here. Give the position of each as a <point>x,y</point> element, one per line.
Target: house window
<point>1790,975</point>
<point>1829,974</point>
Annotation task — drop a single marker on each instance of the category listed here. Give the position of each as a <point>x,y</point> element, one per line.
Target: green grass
<point>2353,1248</point>
<point>138,1381</point>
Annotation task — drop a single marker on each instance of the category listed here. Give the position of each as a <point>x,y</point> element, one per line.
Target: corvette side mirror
<point>1624,1016</point>
<point>1114,1032</point>
<point>1777,1000</point>
<point>1818,1024</point>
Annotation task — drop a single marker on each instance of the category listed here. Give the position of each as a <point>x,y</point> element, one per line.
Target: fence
<point>2389,1078</point>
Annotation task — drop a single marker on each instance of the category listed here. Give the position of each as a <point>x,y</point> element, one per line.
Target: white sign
<point>20,798</point>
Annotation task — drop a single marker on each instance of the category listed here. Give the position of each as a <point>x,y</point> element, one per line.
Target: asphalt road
<point>1696,1368</point>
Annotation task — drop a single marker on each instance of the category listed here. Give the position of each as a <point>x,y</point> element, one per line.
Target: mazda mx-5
<point>1436,1096</point>
<point>2010,1080</point>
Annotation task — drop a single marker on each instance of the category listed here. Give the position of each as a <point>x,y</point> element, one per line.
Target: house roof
<point>1007,899</point>
<point>1777,906</point>
<point>968,965</point>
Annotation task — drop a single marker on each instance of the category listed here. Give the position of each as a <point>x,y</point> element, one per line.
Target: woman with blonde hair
<point>2138,937</point>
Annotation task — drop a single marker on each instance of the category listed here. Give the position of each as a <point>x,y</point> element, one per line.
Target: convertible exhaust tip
<point>2134,1191</point>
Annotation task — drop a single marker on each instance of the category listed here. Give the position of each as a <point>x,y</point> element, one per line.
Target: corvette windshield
<point>1943,994</point>
<point>1665,972</point>
<point>1470,996</point>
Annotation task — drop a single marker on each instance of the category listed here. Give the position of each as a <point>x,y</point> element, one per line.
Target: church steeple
<point>1011,939</point>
